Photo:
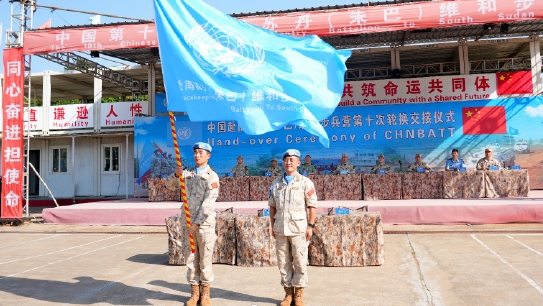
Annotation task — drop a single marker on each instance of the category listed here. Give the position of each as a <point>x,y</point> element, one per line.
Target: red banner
<point>356,20</point>
<point>12,136</point>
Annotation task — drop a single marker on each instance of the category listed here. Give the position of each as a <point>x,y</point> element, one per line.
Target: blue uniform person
<point>453,163</point>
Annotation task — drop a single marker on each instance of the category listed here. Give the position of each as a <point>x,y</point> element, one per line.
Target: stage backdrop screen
<point>510,126</point>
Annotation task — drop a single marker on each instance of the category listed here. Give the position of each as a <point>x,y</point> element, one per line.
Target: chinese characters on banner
<point>12,136</point>
<point>420,90</point>
<point>348,21</point>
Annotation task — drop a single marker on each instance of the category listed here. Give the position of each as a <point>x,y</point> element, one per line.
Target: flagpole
<point>181,180</point>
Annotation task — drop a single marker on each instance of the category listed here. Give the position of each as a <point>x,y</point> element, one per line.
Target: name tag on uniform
<point>343,171</point>
<point>381,171</point>
<point>493,168</point>
<point>463,169</point>
<point>420,170</point>
<point>268,174</point>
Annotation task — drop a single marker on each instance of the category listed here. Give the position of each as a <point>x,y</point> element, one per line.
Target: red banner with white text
<point>355,20</point>
<point>12,135</point>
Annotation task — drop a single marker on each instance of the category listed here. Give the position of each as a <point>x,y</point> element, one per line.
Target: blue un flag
<point>216,68</point>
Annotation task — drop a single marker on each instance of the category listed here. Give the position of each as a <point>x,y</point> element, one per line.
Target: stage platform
<point>138,211</point>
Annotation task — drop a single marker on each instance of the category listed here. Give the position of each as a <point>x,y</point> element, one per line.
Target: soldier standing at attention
<point>487,161</point>
<point>290,198</point>
<point>345,165</point>
<point>419,164</point>
<point>202,188</point>
<point>274,169</point>
<point>240,169</point>
<point>308,166</point>
<point>380,165</point>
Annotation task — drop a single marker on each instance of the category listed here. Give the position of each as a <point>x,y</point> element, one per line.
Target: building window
<point>110,160</point>
<point>60,160</point>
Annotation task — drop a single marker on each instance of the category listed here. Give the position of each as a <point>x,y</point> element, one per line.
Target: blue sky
<point>136,9</point>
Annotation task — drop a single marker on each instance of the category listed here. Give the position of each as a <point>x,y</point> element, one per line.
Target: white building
<point>81,150</point>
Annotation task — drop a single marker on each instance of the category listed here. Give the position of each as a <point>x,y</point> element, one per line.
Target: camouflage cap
<point>202,145</point>
<point>418,155</point>
<point>273,159</point>
<point>488,150</point>
<point>344,155</point>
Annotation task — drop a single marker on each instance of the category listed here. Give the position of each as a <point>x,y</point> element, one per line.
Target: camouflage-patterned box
<point>319,181</point>
<point>506,183</point>
<point>425,185</point>
<point>233,189</point>
<point>463,185</point>
<point>343,187</point>
<point>255,245</point>
<point>347,240</point>
<point>158,191</point>
<point>225,246</point>
<point>382,186</point>
<point>259,187</point>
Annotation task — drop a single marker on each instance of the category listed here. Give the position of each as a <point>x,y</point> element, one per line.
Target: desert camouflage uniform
<point>378,167</point>
<point>347,166</point>
<point>202,190</point>
<point>275,170</point>
<point>308,168</point>
<point>414,166</point>
<point>155,167</point>
<point>240,170</point>
<point>484,163</point>
<point>291,202</point>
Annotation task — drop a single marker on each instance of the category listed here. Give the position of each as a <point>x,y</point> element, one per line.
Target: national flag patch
<point>214,185</point>
<point>310,192</point>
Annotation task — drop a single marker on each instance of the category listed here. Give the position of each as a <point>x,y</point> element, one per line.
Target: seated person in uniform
<point>419,164</point>
<point>380,165</point>
<point>274,169</point>
<point>345,165</point>
<point>308,166</point>
<point>487,161</point>
<point>452,164</point>
<point>240,169</point>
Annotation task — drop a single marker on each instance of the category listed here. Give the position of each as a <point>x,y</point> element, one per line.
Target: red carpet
<point>138,211</point>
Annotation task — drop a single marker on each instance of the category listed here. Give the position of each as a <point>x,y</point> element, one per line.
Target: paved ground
<point>424,265</point>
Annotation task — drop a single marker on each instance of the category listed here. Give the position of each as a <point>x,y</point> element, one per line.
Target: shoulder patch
<point>215,185</point>
<point>310,192</point>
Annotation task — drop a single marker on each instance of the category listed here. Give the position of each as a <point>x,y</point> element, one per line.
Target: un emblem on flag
<point>228,52</point>
<point>184,133</point>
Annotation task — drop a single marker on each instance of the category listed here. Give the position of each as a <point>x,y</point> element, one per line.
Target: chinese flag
<point>484,120</point>
<point>514,83</point>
